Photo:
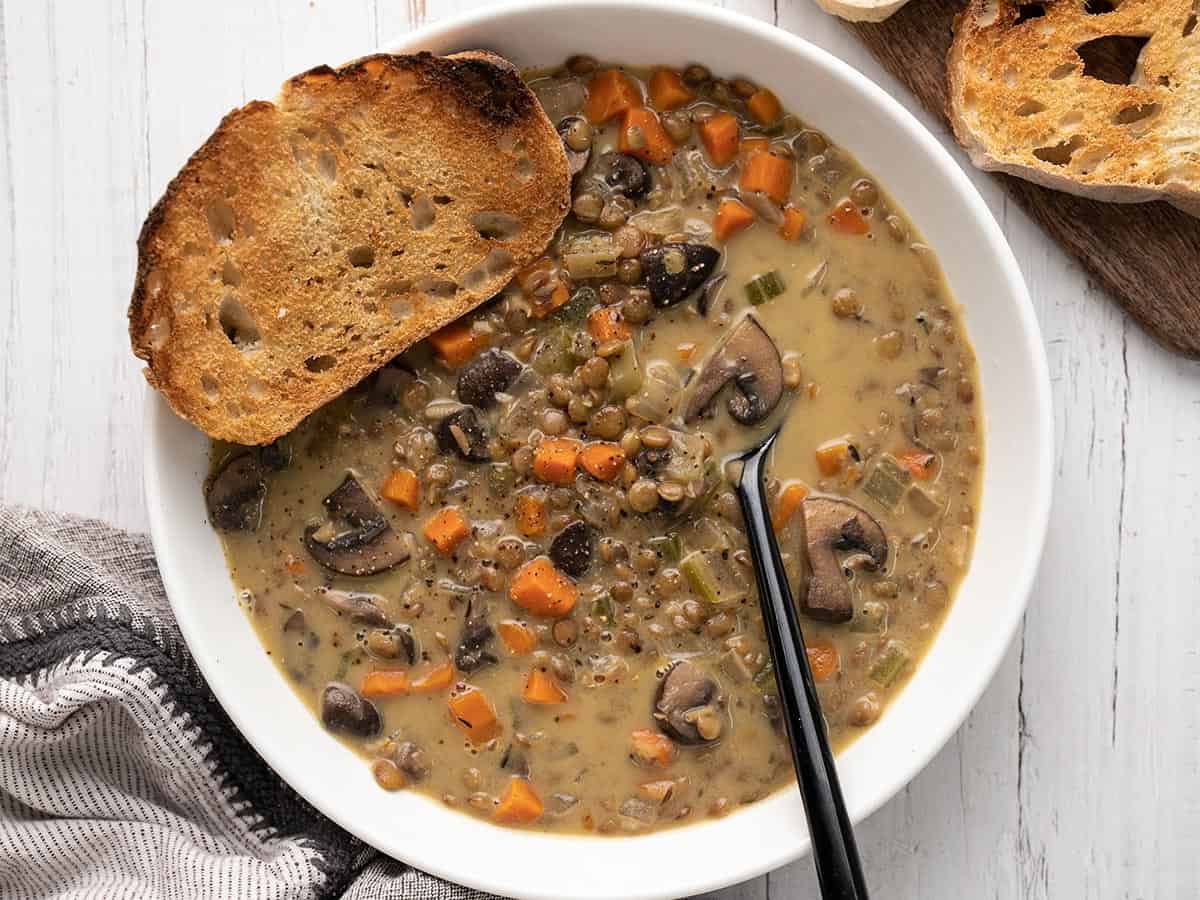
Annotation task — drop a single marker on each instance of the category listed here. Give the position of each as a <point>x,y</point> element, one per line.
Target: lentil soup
<point>509,569</point>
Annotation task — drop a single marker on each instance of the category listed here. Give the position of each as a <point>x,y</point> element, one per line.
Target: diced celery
<point>890,664</point>
<point>575,310</point>
<point>553,353</point>
<point>590,256</point>
<point>762,288</point>
<point>602,608</point>
<point>669,546</point>
<point>624,373</point>
<point>887,482</point>
<point>696,568</point>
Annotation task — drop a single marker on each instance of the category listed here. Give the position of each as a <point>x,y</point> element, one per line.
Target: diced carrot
<point>793,223</point>
<point>609,94</point>
<point>474,714</point>
<point>642,135</point>
<point>385,683</point>
<point>823,660</point>
<point>754,144</point>
<point>650,747</point>
<point>518,637</point>
<point>438,678</point>
<point>446,529</point>
<point>606,324</point>
<point>768,174</point>
<point>831,456</point>
<point>731,218</point>
<point>667,90</point>
<point>542,284</point>
<point>685,350</point>
<point>789,501</point>
<point>602,460</point>
<point>519,804</point>
<point>456,343</point>
<point>554,460</point>
<point>541,589</point>
<point>847,219</point>
<point>719,135</point>
<point>922,465</point>
<point>530,513</point>
<point>542,689</point>
<point>402,487</point>
<point>764,106</point>
<point>294,565</point>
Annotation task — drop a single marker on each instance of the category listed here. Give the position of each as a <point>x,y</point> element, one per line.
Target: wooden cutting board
<point>1147,255</point>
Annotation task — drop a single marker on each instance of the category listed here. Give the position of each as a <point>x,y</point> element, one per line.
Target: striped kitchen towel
<point>120,776</point>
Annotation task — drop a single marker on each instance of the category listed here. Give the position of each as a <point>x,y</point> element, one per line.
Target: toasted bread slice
<point>1096,97</point>
<point>861,10</point>
<point>310,240</point>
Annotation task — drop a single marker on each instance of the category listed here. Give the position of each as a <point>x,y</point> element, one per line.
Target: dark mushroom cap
<point>472,652</point>
<point>234,495</point>
<point>571,549</point>
<point>485,376</point>
<point>750,360</point>
<point>343,711</point>
<point>674,272</point>
<point>463,433</point>
<point>624,174</point>
<point>365,544</point>
<point>832,525</point>
<point>685,687</point>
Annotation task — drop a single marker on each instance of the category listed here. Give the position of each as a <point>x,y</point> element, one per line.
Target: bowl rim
<point>1021,575</point>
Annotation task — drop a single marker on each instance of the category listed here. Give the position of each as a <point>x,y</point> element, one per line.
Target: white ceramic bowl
<point>984,278</point>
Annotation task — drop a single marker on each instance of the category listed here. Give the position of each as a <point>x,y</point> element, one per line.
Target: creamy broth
<point>882,416</point>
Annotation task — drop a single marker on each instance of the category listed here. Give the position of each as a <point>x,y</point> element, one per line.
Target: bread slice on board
<point>310,240</point>
<point>1100,98</point>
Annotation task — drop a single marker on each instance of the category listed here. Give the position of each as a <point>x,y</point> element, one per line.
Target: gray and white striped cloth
<point>120,775</point>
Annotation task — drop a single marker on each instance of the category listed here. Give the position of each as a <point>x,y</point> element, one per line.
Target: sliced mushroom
<point>358,539</point>
<point>472,652</point>
<point>626,175</point>
<point>750,360</point>
<point>343,711</point>
<point>515,760</point>
<point>576,159</point>
<point>686,705</point>
<point>461,432</point>
<point>485,376</point>
<point>571,549</point>
<point>674,272</point>
<point>832,525</point>
<point>234,495</point>
<point>362,608</point>
<point>708,297</point>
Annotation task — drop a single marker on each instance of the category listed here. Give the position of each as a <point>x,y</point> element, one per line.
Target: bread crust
<point>310,240</point>
<point>1020,89</point>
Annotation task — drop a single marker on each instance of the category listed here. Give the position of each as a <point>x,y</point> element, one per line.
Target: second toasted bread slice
<point>1098,98</point>
<point>310,240</point>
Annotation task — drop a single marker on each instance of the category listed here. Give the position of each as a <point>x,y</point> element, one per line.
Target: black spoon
<point>834,850</point>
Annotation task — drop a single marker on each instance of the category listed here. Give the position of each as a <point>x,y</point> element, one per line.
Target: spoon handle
<point>835,852</point>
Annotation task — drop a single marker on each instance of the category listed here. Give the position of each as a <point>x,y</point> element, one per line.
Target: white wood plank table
<point>1077,774</point>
